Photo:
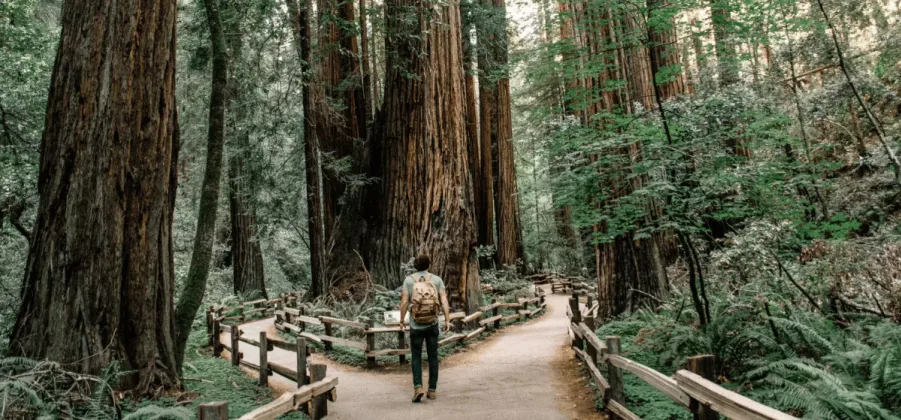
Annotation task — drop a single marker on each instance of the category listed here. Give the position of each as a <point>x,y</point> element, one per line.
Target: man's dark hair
<point>422,262</point>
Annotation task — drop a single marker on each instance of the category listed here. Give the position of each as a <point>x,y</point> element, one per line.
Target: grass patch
<point>642,399</point>
<point>217,380</point>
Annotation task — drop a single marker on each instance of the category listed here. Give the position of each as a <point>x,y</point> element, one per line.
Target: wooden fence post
<point>370,345</point>
<point>213,411</point>
<point>328,332</point>
<point>217,331</point>
<point>320,403</point>
<point>592,352</point>
<point>704,366</point>
<point>401,344</point>
<point>264,356</point>
<point>209,320</point>
<point>589,304</point>
<point>236,356</point>
<point>576,318</point>
<point>303,325</point>
<point>614,374</point>
<point>301,361</point>
<point>496,312</point>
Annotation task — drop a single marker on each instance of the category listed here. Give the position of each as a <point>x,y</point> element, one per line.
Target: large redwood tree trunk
<point>300,26</point>
<point>243,179</point>
<point>499,125</point>
<point>425,200</point>
<point>99,278</point>
<point>247,254</point>
<point>482,188</point>
<point>341,114</point>
<point>341,121</point>
<point>726,55</point>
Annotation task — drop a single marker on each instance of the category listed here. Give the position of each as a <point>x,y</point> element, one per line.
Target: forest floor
<point>525,371</point>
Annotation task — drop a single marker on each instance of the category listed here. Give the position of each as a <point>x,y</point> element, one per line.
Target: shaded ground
<point>524,372</point>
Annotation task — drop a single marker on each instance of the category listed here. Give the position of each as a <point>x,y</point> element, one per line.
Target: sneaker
<point>431,395</point>
<point>417,394</point>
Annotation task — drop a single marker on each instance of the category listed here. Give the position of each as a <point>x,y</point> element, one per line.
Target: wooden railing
<point>693,389</point>
<point>311,399</point>
<point>260,306</point>
<point>296,322</point>
<point>310,378</point>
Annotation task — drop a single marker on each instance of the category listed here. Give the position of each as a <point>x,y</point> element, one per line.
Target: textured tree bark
<point>195,284</point>
<point>247,255</point>
<point>368,93</point>
<point>563,213</point>
<point>300,20</point>
<point>424,201</point>
<point>485,188</point>
<point>342,131</point>
<point>663,53</point>
<point>99,278</point>
<point>339,127</point>
<point>496,98</point>
<point>727,58</point>
<point>482,199</point>
<point>630,271</point>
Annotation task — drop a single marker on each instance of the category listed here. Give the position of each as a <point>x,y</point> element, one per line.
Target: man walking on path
<point>422,294</point>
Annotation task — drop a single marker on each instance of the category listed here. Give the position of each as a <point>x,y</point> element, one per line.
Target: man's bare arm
<point>404,303</point>
<point>446,308</point>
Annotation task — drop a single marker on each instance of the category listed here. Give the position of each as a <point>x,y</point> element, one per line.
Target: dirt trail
<point>524,372</point>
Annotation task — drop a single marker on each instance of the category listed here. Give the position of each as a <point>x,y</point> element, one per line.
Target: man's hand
<point>402,326</point>
<point>447,326</point>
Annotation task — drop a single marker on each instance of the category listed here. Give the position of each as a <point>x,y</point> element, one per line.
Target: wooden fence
<point>296,321</point>
<point>693,389</point>
<point>314,388</point>
<point>311,399</point>
<point>260,306</point>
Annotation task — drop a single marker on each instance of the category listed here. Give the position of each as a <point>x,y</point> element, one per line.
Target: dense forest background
<point>726,171</point>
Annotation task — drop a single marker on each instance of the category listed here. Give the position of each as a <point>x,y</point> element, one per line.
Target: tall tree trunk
<point>486,186</point>
<point>342,131</point>
<point>300,19</point>
<point>563,214</point>
<point>483,198</point>
<point>493,42</point>
<point>195,284</point>
<point>630,271</point>
<point>341,117</point>
<point>247,253</point>
<point>425,199</point>
<point>727,58</point>
<point>100,275</point>
<point>368,93</point>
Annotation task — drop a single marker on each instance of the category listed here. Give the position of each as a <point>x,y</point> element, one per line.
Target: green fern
<point>815,389</point>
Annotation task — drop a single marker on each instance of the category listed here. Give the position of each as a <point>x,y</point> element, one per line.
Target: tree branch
<point>798,286</point>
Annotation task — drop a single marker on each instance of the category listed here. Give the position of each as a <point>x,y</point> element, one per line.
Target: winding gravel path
<point>515,374</point>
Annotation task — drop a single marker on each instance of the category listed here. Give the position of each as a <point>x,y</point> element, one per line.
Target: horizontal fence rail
<point>693,388</point>
<point>314,388</point>
<point>296,321</point>
<point>310,399</point>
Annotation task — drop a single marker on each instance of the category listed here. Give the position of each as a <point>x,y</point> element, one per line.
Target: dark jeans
<point>430,335</point>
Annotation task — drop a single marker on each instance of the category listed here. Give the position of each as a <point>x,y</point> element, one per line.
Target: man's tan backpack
<point>425,301</point>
